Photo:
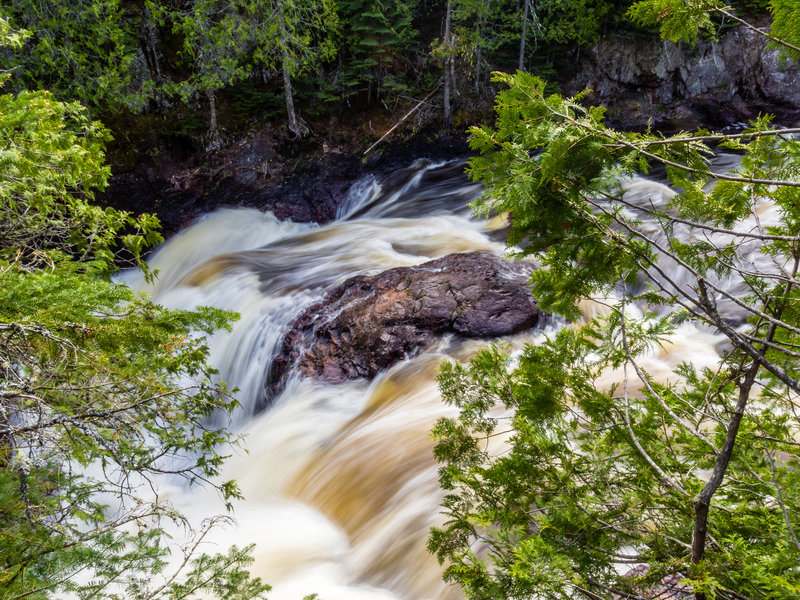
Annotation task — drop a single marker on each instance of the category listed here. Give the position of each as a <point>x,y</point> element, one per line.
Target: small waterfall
<point>340,483</point>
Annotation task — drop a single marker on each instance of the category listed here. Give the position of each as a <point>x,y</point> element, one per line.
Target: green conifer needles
<point>100,392</point>
<point>575,469</point>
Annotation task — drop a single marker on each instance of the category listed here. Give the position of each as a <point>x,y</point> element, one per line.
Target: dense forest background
<point>244,58</point>
<point>221,102</point>
<point>198,68</point>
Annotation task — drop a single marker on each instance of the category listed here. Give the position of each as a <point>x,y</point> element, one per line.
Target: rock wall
<point>299,180</point>
<point>677,85</point>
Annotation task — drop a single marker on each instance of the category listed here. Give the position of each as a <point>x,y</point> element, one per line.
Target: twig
<point>767,35</point>
<point>403,118</point>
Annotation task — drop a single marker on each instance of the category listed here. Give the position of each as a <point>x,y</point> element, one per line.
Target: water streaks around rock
<point>369,323</point>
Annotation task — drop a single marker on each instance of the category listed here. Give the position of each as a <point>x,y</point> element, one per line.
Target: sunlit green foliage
<point>677,19</point>
<point>100,392</point>
<point>784,26</point>
<point>572,469</point>
<point>52,160</point>
<point>82,50</point>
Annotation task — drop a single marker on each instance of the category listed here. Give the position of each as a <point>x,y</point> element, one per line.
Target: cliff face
<point>679,85</point>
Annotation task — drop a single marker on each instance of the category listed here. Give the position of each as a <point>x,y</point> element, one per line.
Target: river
<point>340,483</point>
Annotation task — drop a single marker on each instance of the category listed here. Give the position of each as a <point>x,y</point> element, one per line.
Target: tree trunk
<point>479,47</point>
<point>150,37</point>
<point>294,125</point>
<point>702,503</point>
<point>213,130</point>
<point>212,105</point>
<point>525,9</point>
<point>478,69</point>
<point>448,65</point>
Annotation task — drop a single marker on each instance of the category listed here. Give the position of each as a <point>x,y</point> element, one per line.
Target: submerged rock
<point>370,323</point>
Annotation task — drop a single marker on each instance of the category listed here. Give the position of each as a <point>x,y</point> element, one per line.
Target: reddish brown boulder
<point>370,323</point>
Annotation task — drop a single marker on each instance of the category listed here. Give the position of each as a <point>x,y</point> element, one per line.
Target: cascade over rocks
<point>369,323</point>
<point>303,181</point>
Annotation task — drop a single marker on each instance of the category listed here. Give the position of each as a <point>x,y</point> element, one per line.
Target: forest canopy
<point>158,55</point>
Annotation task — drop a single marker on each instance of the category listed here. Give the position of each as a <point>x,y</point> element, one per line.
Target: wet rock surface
<point>369,323</point>
<point>304,181</point>
<point>178,193</point>
<point>680,86</point>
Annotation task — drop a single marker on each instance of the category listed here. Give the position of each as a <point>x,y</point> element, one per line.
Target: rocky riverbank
<point>672,86</point>
<point>300,180</point>
<point>642,81</point>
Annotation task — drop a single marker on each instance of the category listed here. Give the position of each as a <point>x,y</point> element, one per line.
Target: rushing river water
<point>340,482</point>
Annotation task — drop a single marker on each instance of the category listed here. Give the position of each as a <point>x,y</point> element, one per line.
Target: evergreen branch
<point>702,502</point>
<point>620,142</point>
<point>726,137</point>
<point>778,488</point>
<point>704,226</point>
<point>646,381</point>
<point>626,414</point>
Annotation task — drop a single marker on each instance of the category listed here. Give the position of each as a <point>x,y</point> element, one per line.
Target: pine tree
<point>293,36</point>
<point>378,34</point>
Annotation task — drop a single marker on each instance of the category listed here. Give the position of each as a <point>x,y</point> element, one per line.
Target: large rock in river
<point>370,323</point>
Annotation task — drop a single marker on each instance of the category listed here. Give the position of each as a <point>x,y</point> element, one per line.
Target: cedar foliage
<point>560,485</point>
<point>101,392</point>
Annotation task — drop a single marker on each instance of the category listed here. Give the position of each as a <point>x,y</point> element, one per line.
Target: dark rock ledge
<point>369,323</point>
